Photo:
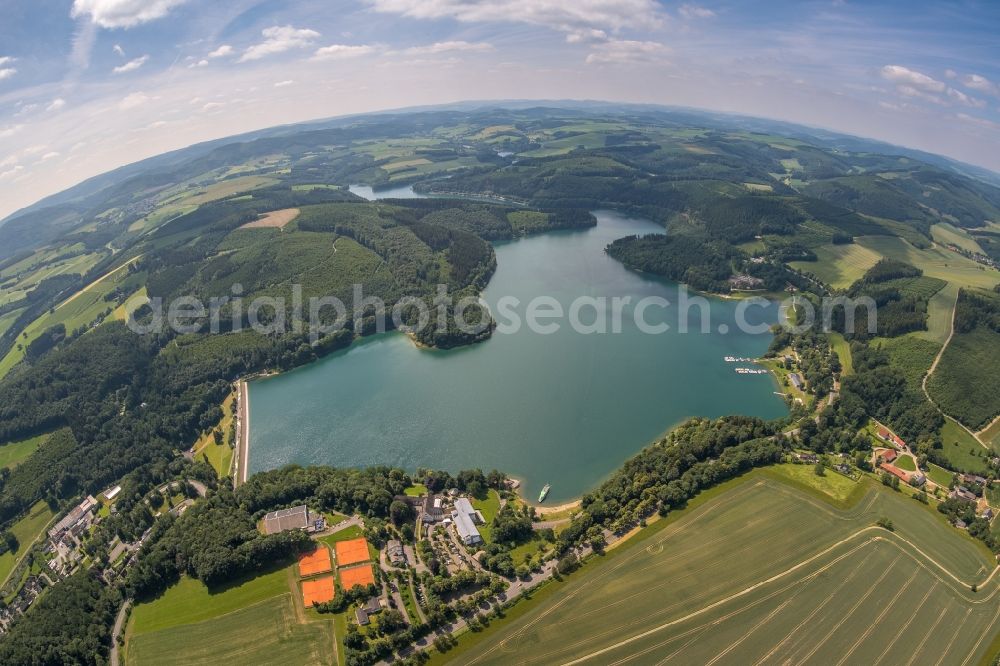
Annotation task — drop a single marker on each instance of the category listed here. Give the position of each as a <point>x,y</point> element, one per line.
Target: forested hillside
<point>966,383</point>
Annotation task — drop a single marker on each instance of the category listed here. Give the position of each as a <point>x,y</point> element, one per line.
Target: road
<point>117,631</point>
<point>242,434</point>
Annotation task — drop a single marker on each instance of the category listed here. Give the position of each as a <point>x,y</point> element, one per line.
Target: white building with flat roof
<point>466,518</point>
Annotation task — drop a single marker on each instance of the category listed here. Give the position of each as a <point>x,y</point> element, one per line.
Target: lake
<point>564,408</point>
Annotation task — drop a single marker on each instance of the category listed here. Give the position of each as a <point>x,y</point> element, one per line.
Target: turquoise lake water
<point>564,408</point>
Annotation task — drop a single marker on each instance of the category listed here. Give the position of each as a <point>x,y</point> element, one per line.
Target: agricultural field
<point>939,310</point>
<point>219,456</point>
<point>939,475</point>
<point>843,349</point>
<point>961,450</point>
<point>227,188</point>
<point>969,361</point>
<point>839,266</point>
<point>14,453</point>
<point>991,434</point>
<point>7,320</point>
<point>26,530</point>
<point>814,583</point>
<point>950,235</point>
<point>936,262</point>
<point>269,632</point>
<point>81,309</point>
<point>190,601</point>
<point>189,624</point>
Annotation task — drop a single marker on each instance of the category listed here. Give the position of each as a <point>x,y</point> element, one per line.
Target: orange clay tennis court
<point>361,575</point>
<point>316,562</point>
<point>318,591</point>
<point>352,552</point>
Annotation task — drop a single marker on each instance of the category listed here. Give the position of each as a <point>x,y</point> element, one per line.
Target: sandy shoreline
<point>558,508</point>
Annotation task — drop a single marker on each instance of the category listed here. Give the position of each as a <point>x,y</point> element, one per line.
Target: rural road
<point>117,631</point>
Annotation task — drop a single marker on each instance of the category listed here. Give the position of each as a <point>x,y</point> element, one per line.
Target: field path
<point>98,281</point>
<point>934,365</point>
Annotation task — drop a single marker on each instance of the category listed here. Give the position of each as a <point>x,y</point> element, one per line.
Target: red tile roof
<point>895,471</point>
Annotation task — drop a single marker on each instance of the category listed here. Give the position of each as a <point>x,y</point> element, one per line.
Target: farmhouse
<point>112,493</point>
<point>963,493</point>
<point>973,479</point>
<point>796,380</point>
<point>466,518</point>
<point>887,455</point>
<point>361,616</point>
<point>295,518</point>
<point>887,435</point>
<point>895,471</point>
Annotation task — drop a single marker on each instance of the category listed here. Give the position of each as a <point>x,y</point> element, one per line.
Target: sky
<point>90,85</point>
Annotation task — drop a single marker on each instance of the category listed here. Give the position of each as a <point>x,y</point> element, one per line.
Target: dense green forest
<point>70,624</point>
<point>966,383</point>
<point>901,294</point>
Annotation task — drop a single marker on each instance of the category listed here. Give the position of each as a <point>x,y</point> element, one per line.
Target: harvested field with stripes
<point>766,573</point>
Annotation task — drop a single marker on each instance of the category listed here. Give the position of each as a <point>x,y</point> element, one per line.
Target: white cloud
<point>981,83</point>
<point>123,13</point>
<point>917,85</point>
<point>910,91</point>
<point>200,63</point>
<point>627,51</point>
<point>342,51</point>
<point>10,131</point>
<point>903,76</point>
<point>278,39</point>
<point>7,72</point>
<point>10,173</point>
<point>56,104</point>
<point>213,105</point>
<point>134,100</point>
<point>131,65</point>
<point>117,48</point>
<point>691,12</point>
<point>284,84</point>
<point>586,35</point>
<point>6,60</point>
<point>982,122</point>
<point>446,47</point>
<point>965,100</point>
<point>221,52</point>
<point>556,14</point>
<point>49,156</point>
